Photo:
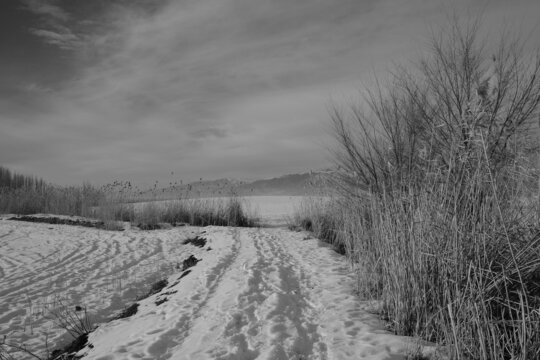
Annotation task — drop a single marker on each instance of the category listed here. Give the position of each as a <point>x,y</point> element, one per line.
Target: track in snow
<point>269,295</point>
<point>257,294</point>
<point>260,309</point>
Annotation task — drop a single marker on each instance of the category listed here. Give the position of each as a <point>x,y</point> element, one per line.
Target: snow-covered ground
<point>261,293</point>
<point>45,268</point>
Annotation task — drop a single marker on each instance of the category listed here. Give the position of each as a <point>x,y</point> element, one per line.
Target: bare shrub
<point>437,117</point>
<point>75,321</point>
<point>324,217</point>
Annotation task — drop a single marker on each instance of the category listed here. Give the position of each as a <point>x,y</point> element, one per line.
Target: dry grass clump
<point>439,204</point>
<point>197,212</point>
<point>324,217</point>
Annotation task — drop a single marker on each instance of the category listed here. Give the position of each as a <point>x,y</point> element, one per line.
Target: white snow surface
<point>259,293</point>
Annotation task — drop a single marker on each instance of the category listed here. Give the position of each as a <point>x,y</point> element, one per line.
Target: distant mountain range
<point>312,183</point>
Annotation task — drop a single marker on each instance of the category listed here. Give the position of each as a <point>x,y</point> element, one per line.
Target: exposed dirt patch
<point>68,352</point>
<point>184,274</point>
<point>61,221</point>
<point>189,262</point>
<point>196,241</point>
<point>158,226</point>
<point>156,288</point>
<point>161,301</point>
<point>142,226</point>
<point>127,312</point>
<point>169,292</point>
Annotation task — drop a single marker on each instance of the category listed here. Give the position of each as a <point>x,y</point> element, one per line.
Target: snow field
<point>45,269</point>
<point>259,293</point>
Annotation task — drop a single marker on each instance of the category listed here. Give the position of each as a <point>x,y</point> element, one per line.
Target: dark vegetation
<point>189,262</point>
<point>78,324</point>
<point>169,292</point>
<point>184,274</point>
<point>161,301</point>
<point>142,226</point>
<point>196,241</point>
<point>127,312</point>
<point>438,204</point>
<point>197,212</point>
<point>62,221</point>
<point>67,353</point>
<point>156,288</point>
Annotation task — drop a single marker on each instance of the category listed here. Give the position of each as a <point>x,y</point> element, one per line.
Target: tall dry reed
<point>438,204</point>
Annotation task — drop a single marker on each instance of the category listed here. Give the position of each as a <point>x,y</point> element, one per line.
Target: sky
<point>145,90</point>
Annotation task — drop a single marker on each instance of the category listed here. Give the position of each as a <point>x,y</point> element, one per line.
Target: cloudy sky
<point>98,90</point>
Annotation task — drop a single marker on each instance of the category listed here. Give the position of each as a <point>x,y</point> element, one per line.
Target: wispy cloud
<point>47,8</point>
<point>35,88</point>
<point>65,39</point>
<point>53,28</point>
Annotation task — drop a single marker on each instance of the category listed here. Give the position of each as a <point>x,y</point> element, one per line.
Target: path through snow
<point>255,294</point>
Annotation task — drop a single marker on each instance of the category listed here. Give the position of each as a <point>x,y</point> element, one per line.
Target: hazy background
<point>162,90</point>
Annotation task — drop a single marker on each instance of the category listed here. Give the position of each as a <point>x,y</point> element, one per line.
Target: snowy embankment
<point>254,294</point>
